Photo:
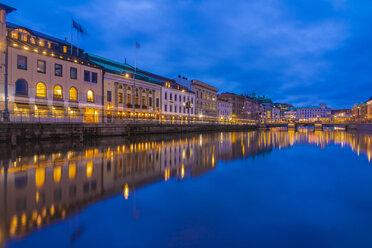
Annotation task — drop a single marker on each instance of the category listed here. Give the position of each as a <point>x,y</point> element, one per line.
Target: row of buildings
<point>46,78</point>
<point>362,111</point>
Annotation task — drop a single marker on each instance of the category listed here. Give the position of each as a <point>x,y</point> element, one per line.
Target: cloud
<point>303,52</point>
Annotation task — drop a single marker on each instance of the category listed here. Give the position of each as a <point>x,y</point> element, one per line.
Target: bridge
<point>317,125</point>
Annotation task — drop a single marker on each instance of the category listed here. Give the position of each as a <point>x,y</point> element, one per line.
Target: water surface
<point>242,189</point>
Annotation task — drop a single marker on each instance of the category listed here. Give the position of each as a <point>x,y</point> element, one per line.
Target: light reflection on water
<point>48,182</point>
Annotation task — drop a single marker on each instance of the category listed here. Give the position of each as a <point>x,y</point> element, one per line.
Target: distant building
<point>321,113</point>
<point>290,114</point>
<point>275,114</point>
<point>206,100</point>
<point>341,115</point>
<point>362,111</point>
<point>224,110</point>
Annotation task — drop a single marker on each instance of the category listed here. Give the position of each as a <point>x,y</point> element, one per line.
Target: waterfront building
<point>369,109</point>
<point>177,102</point>
<point>341,115</point>
<point>321,113</point>
<point>206,100</point>
<point>124,95</point>
<point>224,110</point>
<point>290,114</point>
<point>46,79</point>
<point>275,114</point>
<point>253,109</point>
<point>238,103</point>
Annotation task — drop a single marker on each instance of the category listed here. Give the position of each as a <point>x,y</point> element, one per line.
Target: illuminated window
<point>120,97</point>
<point>90,96</point>
<point>143,100</point>
<point>136,101</point>
<point>14,34</point>
<point>41,90</point>
<point>24,37</point>
<point>73,94</point>
<point>41,43</point>
<point>65,49</point>
<point>129,98</point>
<point>58,92</point>
<point>21,87</point>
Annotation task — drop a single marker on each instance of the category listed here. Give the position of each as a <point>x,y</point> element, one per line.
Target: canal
<point>234,189</point>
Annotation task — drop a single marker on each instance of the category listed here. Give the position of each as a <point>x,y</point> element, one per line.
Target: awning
<point>42,107</point>
<point>60,108</point>
<point>23,105</point>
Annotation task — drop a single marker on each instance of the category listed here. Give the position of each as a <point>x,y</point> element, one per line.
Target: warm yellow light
<point>24,219</point>
<point>40,177</point>
<point>44,52</point>
<point>26,48</point>
<point>182,171</point>
<point>126,75</point>
<point>52,210</point>
<point>72,171</point>
<point>37,197</point>
<point>126,191</point>
<point>89,169</point>
<point>57,174</point>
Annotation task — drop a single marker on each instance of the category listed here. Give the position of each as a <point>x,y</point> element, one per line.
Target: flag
<point>137,45</point>
<point>78,27</point>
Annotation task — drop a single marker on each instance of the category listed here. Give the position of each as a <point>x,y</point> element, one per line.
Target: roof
<point>36,33</point>
<point>7,8</point>
<point>122,68</point>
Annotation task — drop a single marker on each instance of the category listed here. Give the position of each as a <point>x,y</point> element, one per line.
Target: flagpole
<point>72,32</point>
<point>134,82</point>
<point>77,52</point>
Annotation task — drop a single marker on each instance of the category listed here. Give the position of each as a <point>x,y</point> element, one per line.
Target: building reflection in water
<point>48,182</point>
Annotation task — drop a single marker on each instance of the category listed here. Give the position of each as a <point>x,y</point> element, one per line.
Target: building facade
<point>46,80</point>
<point>224,110</point>
<point>126,97</point>
<point>177,102</point>
<point>206,100</point>
<point>321,113</point>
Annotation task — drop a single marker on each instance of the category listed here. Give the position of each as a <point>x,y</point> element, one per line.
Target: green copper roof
<point>121,68</point>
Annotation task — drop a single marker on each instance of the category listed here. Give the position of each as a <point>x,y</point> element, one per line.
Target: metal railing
<point>25,117</point>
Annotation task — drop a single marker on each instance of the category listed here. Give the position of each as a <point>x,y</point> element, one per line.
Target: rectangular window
<point>170,97</point>
<point>87,76</point>
<point>165,108</point>
<point>94,77</point>
<point>73,73</point>
<point>58,70</point>
<point>180,98</point>
<point>157,102</point>
<point>120,97</point>
<point>150,101</point>
<point>180,109</point>
<point>22,62</point>
<point>170,108</point>
<point>175,109</point>
<point>41,66</point>
<point>184,99</point>
<point>109,96</point>
<point>175,97</point>
<point>165,95</point>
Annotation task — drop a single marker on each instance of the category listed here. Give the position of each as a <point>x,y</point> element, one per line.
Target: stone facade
<point>206,100</point>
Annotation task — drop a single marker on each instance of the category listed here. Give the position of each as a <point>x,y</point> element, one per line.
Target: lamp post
<point>6,109</point>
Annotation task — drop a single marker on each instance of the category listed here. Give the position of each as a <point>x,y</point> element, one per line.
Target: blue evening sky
<point>302,52</point>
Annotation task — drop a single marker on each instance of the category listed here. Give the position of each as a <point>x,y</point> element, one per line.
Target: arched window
<point>136,100</point>
<point>90,96</point>
<point>41,90</point>
<point>58,92</point>
<point>73,94</point>
<point>21,87</point>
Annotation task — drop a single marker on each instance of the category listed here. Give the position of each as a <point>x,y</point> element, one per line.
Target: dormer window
<point>41,43</point>
<point>32,40</point>
<point>14,34</point>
